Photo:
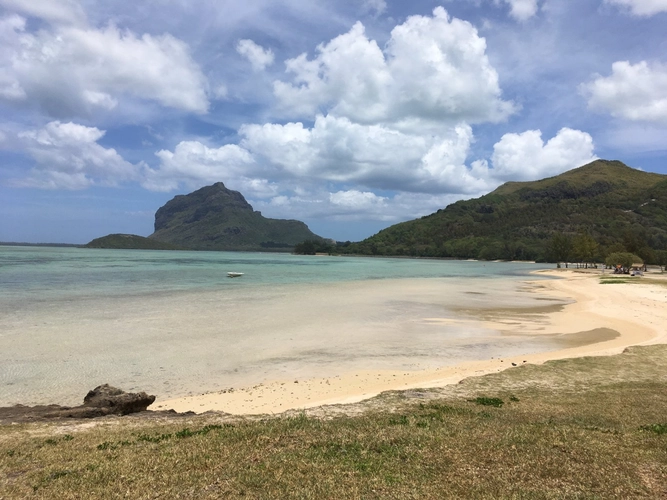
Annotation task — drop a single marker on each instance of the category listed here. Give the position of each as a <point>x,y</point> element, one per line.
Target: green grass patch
<point>617,280</point>
<point>656,428</point>
<point>582,429</point>
<point>484,401</point>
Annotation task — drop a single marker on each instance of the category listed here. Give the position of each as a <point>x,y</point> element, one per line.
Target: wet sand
<point>583,317</point>
<point>181,344</point>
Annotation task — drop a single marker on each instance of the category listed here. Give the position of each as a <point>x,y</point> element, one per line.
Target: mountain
<point>620,207</point>
<point>216,218</point>
<point>130,241</point>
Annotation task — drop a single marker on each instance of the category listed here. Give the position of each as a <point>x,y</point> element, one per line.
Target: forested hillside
<point>602,207</point>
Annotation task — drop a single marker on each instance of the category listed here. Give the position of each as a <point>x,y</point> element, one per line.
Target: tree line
<point>580,250</point>
<point>583,250</point>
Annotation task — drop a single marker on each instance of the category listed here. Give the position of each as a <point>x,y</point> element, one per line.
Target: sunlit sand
<point>599,320</point>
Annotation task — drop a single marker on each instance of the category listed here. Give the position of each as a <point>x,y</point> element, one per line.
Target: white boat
<point>234,275</point>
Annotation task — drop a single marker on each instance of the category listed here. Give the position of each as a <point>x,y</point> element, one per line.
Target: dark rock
<point>114,401</point>
<point>102,401</point>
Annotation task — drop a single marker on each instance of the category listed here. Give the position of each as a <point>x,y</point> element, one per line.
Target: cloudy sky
<point>350,115</point>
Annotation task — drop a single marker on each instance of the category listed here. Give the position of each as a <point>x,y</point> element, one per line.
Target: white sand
<point>638,312</point>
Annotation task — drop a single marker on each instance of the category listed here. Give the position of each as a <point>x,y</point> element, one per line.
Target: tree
<point>647,254</point>
<point>623,259</point>
<point>559,249</point>
<point>661,258</point>
<point>585,248</point>
<point>308,247</point>
<point>634,239</point>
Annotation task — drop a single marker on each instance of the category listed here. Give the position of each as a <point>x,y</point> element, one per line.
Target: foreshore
<point>602,319</point>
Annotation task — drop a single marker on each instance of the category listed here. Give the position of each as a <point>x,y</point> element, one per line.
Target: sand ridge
<point>634,312</point>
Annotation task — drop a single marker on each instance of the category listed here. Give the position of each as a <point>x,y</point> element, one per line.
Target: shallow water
<point>172,323</point>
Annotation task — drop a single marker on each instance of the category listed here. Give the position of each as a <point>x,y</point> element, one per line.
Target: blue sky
<point>348,115</point>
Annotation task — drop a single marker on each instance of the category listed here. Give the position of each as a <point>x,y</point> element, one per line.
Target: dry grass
<point>584,428</point>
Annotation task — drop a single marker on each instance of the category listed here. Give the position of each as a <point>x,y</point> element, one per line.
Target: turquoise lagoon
<point>171,322</point>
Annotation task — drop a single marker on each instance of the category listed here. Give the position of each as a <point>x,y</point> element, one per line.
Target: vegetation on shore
<point>130,241</point>
<point>578,428</point>
<point>582,215</point>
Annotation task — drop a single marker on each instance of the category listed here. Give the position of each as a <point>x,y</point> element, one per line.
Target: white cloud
<point>56,11</point>
<point>353,205</point>
<point>10,88</point>
<point>69,157</point>
<point>427,173</point>
<point>642,7</point>
<point>338,150</point>
<point>357,201</point>
<point>72,71</point>
<point>195,164</point>
<point>525,156</point>
<point>433,69</point>
<point>333,151</point>
<point>522,10</point>
<point>635,92</point>
<point>100,99</point>
<point>258,56</point>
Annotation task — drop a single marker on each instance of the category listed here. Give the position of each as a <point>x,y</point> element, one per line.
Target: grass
<point>644,280</point>
<point>613,279</point>
<point>585,428</point>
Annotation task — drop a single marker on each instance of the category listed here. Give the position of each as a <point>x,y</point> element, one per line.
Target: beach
<point>595,319</point>
<point>293,332</point>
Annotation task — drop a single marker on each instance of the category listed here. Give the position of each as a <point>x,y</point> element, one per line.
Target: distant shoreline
<point>57,245</point>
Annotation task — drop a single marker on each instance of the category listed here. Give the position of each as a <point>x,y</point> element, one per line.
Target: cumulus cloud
<point>357,200</point>
<point>641,7</point>
<point>424,174</point>
<point>333,150</point>
<point>258,56</point>
<point>336,149</point>
<point>340,205</point>
<point>194,164</point>
<point>68,156</point>
<point>71,71</point>
<point>635,92</point>
<point>433,69</point>
<point>55,11</point>
<point>396,119</point>
<point>353,205</point>
<point>525,156</point>
<point>522,10</point>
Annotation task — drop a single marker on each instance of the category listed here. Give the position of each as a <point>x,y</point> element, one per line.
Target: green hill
<point>216,218</point>
<point>618,206</point>
<point>129,241</point>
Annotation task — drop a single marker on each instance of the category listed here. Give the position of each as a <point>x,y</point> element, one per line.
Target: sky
<point>348,115</point>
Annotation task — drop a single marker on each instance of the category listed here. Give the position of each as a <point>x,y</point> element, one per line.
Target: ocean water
<point>172,323</point>
<point>52,273</point>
